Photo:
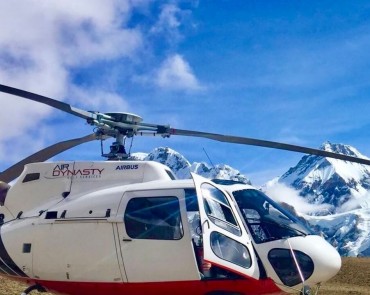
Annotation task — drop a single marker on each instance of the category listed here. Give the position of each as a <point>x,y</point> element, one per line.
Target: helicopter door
<point>225,242</point>
<point>154,236</point>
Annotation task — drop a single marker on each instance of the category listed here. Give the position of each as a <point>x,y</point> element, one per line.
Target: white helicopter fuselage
<point>131,227</point>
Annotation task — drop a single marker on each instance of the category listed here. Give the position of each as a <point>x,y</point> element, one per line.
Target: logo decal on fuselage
<point>127,167</point>
<point>64,170</point>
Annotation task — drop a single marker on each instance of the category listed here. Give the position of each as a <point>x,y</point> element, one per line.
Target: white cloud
<point>41,42</point>
<point>175,73</point>
<point>51,36</point>
<point>168,21</point>
<point>282,193</point>
<point>98,100</point>
<point>352,204</point>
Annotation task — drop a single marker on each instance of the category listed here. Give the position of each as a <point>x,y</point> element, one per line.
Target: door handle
<point>126,240</point>
<point>205,221</point>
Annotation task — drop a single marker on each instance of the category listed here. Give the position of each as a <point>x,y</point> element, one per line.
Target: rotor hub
<point>125,118</point>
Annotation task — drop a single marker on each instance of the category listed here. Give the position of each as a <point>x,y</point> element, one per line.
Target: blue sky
<point>290,71</point>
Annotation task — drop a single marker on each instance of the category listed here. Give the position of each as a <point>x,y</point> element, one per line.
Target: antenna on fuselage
<point>209,159</point>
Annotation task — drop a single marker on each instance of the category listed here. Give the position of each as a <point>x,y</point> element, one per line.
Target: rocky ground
<point>353,279</point>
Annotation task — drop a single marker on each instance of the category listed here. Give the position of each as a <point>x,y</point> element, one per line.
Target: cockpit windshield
<point>266,220</point>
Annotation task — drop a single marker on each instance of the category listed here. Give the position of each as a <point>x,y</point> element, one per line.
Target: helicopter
<point>124,226</point>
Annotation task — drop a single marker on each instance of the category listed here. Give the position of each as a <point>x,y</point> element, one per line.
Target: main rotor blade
<point>65,107</point>
<point>268,144</point>
<point>14,171</point>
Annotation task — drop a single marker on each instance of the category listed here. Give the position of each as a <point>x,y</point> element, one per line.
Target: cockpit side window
<point>218,209</point>
<point>156,218</point>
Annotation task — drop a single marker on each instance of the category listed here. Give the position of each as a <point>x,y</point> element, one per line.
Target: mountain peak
<point>182,167</point>
<point>341,149</point>
<point>330,181</point>
<point>339,187</point>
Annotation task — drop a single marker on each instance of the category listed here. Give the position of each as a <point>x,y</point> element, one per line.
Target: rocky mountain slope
<point>329,181</point>
<point>344,187</point>
<point>182,167</point>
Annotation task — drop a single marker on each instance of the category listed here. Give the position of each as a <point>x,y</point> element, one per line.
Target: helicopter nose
<point>330,261</point>
<point>326,259</point>
<point>315,261</point>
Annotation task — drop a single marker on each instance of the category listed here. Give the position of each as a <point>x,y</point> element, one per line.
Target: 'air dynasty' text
<point>64,170</point>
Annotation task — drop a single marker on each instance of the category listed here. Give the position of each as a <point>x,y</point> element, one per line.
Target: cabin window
<point>26,248</point>
<point>4,187</point>
<point>218,209</point>
<point>155,218</point>
<point>31,177</point>
<point>230,250</point>
<point>283,263</point>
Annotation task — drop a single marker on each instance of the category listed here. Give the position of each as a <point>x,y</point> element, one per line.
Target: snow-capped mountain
<point>333,196</point>
<point>349,232</point>
<point>344,188</point>
<point>329,181</point>
<point>172,159</point>
<point>182,167</point>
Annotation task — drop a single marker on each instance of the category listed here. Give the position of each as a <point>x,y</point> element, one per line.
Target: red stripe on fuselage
<point>242,287</point>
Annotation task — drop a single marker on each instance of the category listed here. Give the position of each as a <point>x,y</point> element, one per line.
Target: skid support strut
<point>32,288</point>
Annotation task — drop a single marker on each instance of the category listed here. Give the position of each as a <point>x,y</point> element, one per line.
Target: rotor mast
<point>121,126</point>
